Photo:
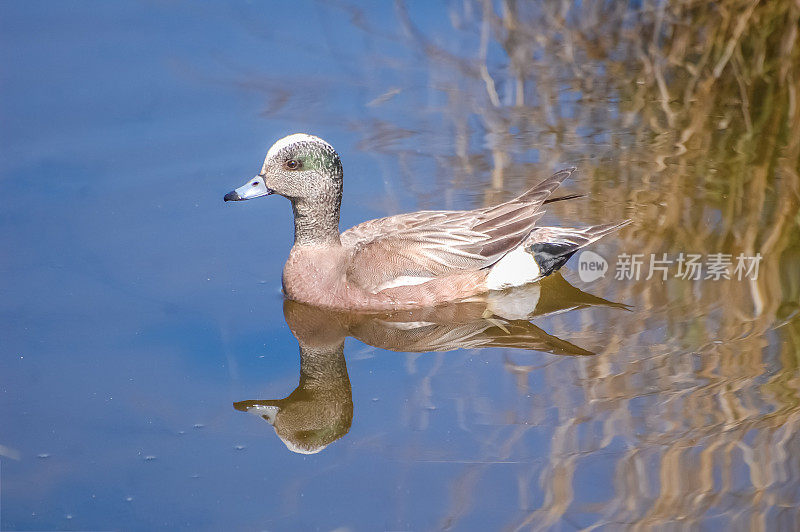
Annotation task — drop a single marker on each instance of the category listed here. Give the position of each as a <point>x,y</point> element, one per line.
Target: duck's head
<point>298,167</point>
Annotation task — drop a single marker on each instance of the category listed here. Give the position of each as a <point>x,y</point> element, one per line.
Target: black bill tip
<point>232,196</point>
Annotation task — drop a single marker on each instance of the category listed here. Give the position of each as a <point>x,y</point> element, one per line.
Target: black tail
<point>564,198</point>
<point>552,247</point>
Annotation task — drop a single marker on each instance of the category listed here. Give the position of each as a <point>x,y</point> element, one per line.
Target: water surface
<point>138,308</point>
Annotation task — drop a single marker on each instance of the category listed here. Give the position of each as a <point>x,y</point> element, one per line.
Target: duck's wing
<point>423,337</point>
<point>371,230</point>
<point>413,248</point>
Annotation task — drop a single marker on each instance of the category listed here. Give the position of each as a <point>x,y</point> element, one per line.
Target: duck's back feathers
<point>410,249</point>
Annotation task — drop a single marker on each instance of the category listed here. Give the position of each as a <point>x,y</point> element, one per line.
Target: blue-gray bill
<point>255,188</point>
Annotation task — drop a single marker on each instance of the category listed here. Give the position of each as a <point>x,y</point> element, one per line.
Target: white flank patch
<point>293,139</point>
<point>514,304</point>
<point>518,267</point>
<point>403,280</point>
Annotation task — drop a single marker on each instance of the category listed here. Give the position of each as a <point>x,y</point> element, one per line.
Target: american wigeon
<point>412,260</point>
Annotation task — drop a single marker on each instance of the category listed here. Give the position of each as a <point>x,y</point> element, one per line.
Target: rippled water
<point>142,316</point>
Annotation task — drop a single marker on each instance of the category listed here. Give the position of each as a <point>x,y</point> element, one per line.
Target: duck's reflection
<point>320,410</point>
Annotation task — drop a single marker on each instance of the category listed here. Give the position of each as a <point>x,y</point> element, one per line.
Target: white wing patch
<point>518,267</point>
<point>406,325</point>
<point>403,280</point>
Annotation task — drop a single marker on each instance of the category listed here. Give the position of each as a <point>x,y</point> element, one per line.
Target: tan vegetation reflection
<point>685,116</point>
<point>320,410</point>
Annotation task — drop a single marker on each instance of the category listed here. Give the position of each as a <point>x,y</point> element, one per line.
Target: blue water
<point>137,307</point>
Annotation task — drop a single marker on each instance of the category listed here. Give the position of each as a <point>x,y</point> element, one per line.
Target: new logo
<point>591,266</point>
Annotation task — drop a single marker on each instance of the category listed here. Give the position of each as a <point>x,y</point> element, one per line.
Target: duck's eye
<point>255,183</point>
<point>293,164</point>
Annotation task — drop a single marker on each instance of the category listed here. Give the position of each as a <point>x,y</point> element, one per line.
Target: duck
<point>412,260</point>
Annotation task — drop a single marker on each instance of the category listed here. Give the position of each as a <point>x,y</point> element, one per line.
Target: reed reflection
<point>683,116</point>
<point>320,410</point>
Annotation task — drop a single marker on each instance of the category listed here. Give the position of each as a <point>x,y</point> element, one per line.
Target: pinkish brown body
<point>318,276</point>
